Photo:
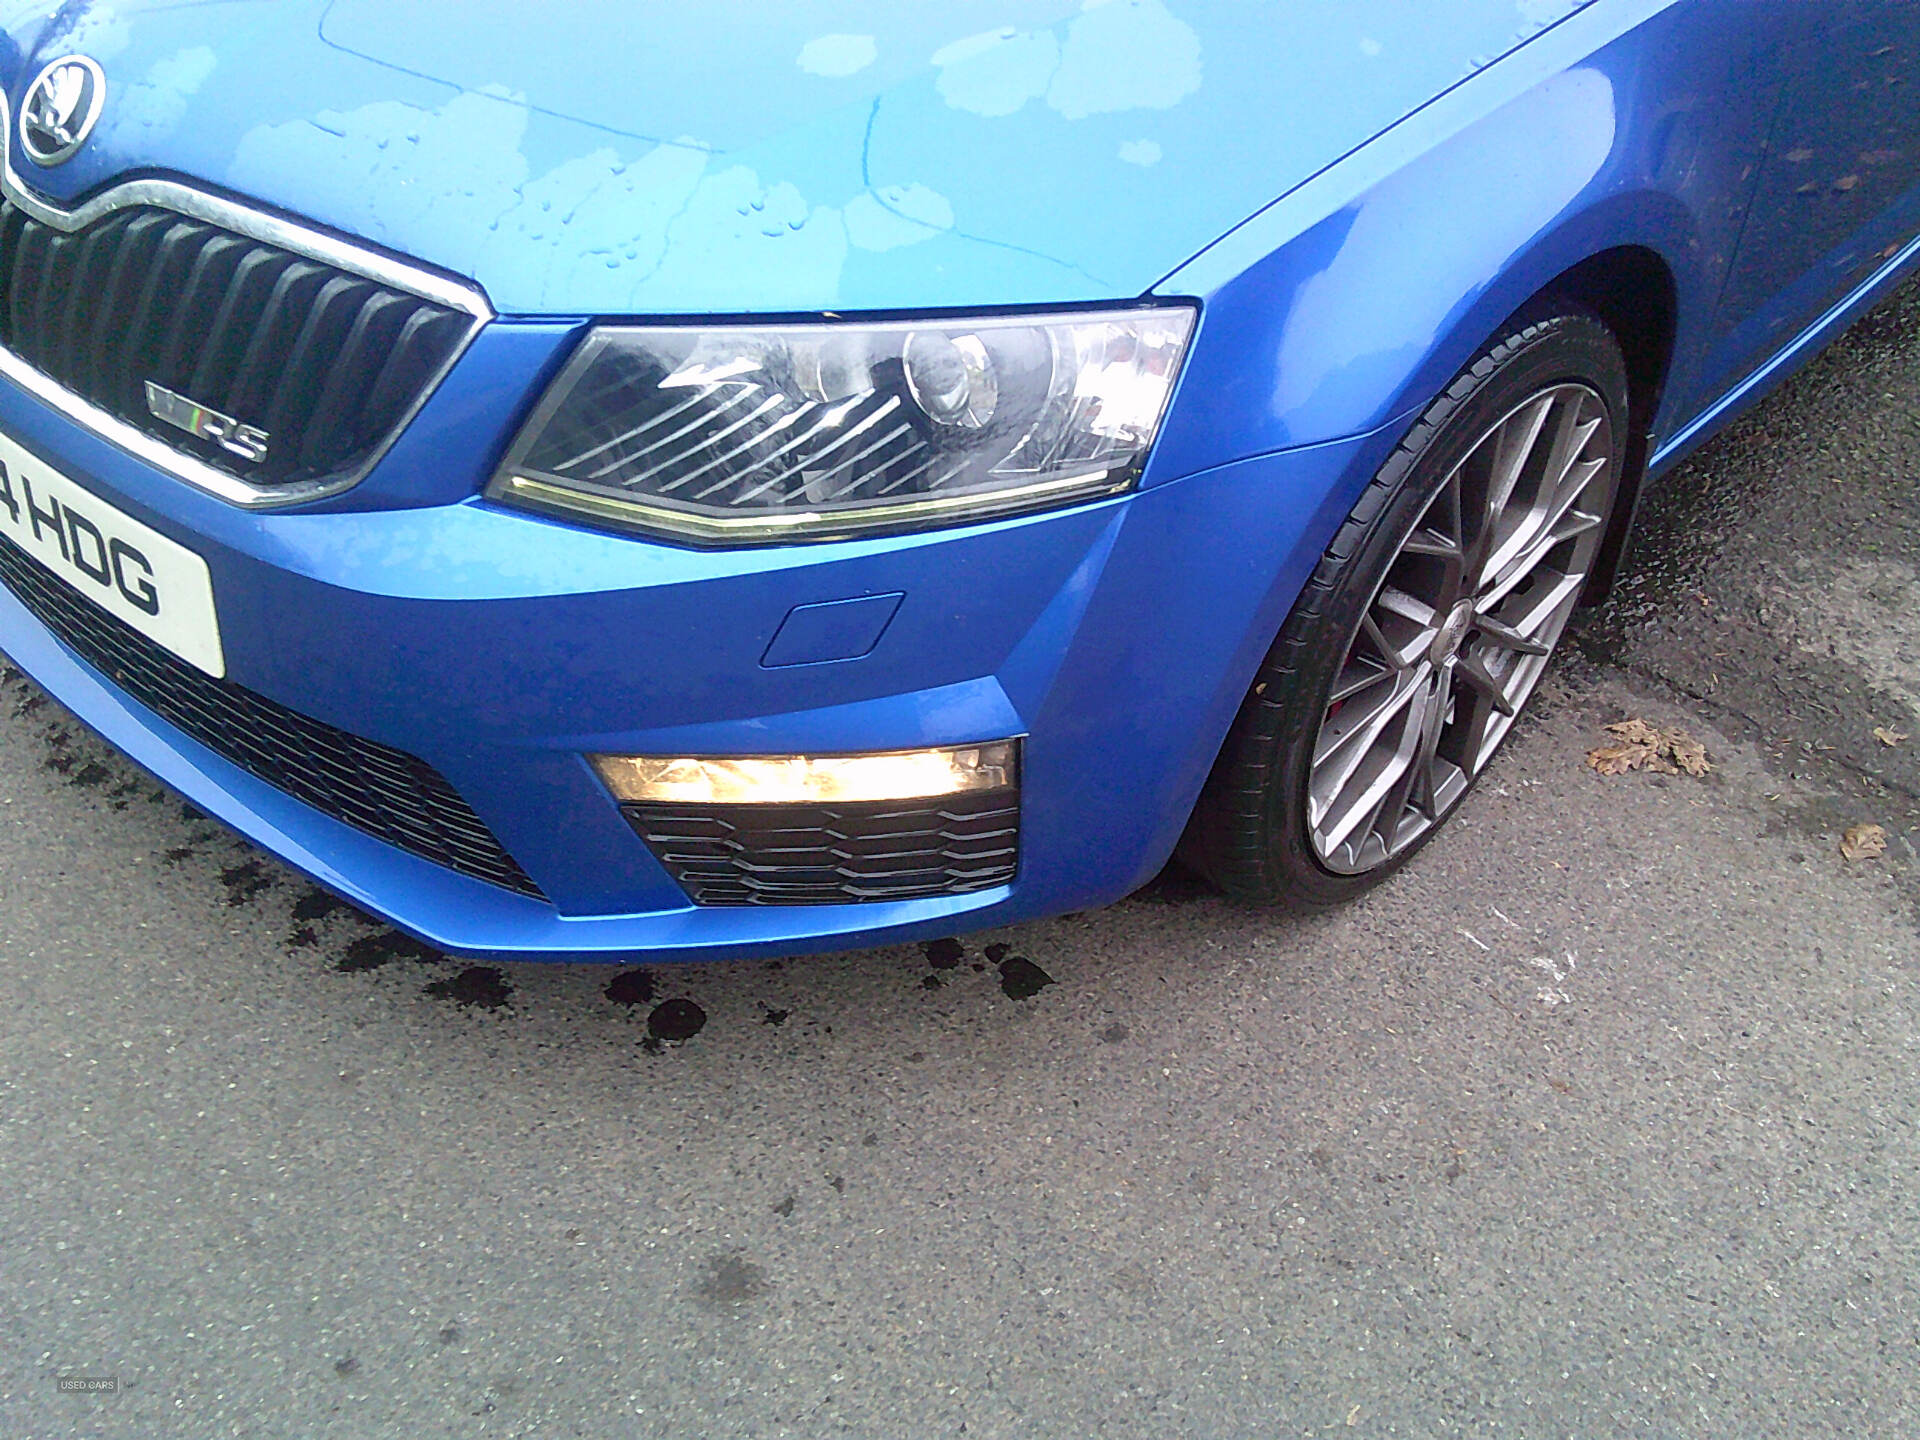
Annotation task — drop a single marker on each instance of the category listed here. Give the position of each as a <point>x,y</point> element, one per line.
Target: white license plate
<point>130,570</point>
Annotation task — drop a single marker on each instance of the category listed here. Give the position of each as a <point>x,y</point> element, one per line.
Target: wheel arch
<point>1380,344</point>
<point>1623,260</point>
<point>1632,290</point>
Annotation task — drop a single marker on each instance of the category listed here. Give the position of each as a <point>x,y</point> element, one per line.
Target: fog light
<point>809,779</point>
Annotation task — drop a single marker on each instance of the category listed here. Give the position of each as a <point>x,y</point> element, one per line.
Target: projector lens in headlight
<point>748,435</point>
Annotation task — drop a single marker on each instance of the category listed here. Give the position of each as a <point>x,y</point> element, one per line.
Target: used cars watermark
<point>87,1384</point>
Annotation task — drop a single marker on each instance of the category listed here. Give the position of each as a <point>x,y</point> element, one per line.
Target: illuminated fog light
<point>809,779</point>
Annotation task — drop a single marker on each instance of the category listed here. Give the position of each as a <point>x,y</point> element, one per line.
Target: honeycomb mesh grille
<point>326,362</point>
<point>835,854</point>
<point>389,794</point>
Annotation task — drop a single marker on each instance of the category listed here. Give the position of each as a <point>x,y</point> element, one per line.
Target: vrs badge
<point>61,107</point>
<point>247,441</point>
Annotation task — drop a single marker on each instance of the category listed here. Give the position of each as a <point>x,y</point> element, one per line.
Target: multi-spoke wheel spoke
<point>1460,629</point>
<point>1472,669</point>
<point>1349,740</point>
<point>1508,637</point>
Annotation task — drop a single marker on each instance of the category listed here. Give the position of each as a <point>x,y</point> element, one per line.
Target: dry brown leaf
<point>1650,747</point>
<point>1888,737</point>
<point>1864,842</point>
<point>1639,749</point>
<point>1687,753</point>
<point>1618,759</point>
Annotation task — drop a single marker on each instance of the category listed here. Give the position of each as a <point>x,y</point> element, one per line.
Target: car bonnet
<point>638,157</point>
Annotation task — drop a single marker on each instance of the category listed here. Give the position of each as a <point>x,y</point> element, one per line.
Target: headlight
<point>751,435</point>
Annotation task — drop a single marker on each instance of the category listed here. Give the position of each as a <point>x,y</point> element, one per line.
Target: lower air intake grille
<point>835,854</point>
<point>391,795</point>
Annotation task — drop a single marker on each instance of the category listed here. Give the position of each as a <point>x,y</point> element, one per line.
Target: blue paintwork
<point>1839,189</point>
<point>1358,192</point>
<point>829,631</point>
<point>740,156</point>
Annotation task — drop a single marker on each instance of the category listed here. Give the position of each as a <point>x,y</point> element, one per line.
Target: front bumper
<point>1116,637</point>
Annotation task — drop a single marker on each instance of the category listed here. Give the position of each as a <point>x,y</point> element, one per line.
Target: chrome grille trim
<point>256,224</point>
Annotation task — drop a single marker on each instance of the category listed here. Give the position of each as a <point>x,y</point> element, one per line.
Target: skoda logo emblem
<point>62,104</point>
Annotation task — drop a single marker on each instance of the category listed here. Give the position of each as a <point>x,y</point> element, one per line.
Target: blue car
<point>607,480</point>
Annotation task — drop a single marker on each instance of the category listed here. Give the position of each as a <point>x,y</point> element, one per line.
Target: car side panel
<point>1839,192</point>
<point>1653,139</point>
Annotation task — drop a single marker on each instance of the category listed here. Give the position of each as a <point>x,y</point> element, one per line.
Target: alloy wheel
<point>1461,627</point>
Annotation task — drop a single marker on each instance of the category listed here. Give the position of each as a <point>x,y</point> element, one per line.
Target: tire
<point>1358,681</point>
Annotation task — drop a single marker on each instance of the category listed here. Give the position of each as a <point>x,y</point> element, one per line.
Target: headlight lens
<point>752,435</point>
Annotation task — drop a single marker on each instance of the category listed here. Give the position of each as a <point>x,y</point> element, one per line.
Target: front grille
<point>835,854</point>
<point>391,795</point>
<point>326,362</point>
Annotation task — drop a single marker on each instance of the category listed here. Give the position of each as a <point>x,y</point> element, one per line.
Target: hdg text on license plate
<point>127,568</point>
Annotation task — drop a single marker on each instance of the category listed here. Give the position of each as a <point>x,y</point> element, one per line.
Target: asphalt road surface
<point>1598,1121</point>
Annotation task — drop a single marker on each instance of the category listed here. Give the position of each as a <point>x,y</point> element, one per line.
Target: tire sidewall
<point>1567,346</point>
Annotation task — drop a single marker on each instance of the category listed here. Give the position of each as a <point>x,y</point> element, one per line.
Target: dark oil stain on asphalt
<point>246,882</point>
<point>314,906</point>
<point>90,776</point>
<point>1114,1033</point>
<point>318,904</point>
<point>630,987</point>
<point>673,1021</point>
<point>477,985</point>
<point>370,952</point>
<point>1021,979</point>
<point>732,1281</point>
<point>944,954</point>
<point>57,759</point>
<point>345,1366</point>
